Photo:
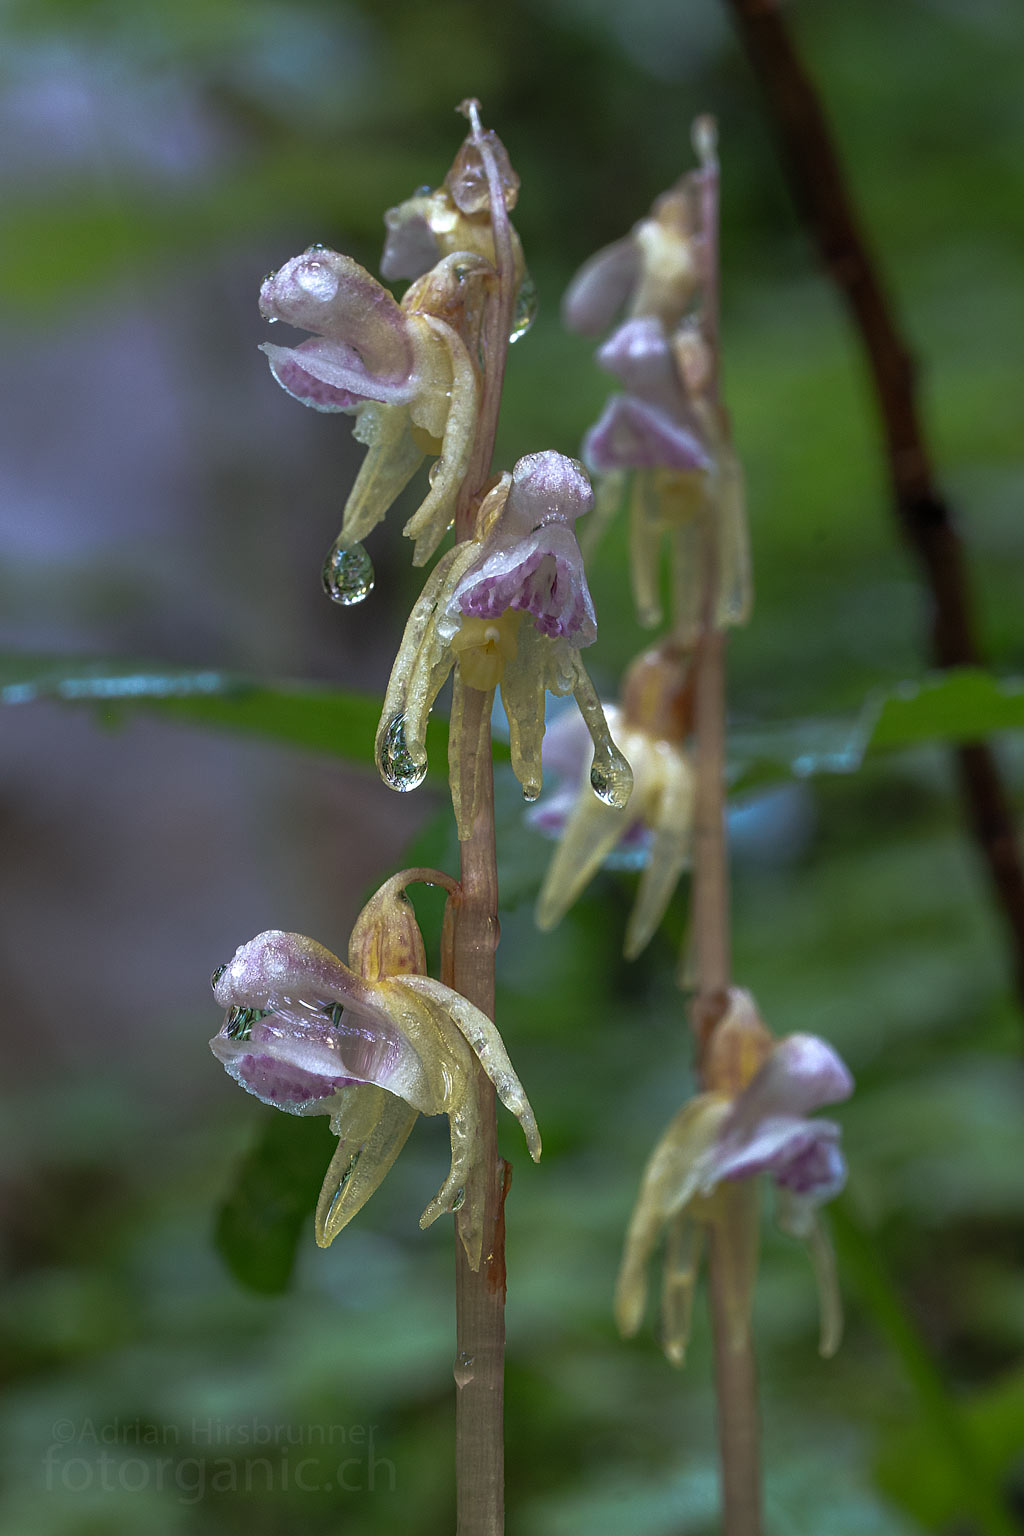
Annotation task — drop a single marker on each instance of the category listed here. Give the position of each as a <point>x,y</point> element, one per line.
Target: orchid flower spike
<point>752,1119</point>
<point>510,608</point>
<point>667,433</point>
<point>651,729</point>
<point>372,1044</point>
<point>404,371</point>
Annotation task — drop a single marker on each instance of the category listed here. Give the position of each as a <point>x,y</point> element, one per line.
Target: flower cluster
<point>753,1118</point>
<point>373,1044</point>
<point>508,606</point>
<point>667,431</point>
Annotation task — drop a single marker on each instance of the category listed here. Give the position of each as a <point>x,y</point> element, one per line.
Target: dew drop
<point>398,768</point>
<point>460,1200</point>
<point>218,973</point>
<point>347,574</point>
<point>611,777</point>
<point>462,1370</point>
<point>525,311</point>
<point>423,191</point>
<point>310,249</point>
<point>531,792</point>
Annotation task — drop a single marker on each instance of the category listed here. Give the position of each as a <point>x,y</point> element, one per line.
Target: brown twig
<point>819,189</point>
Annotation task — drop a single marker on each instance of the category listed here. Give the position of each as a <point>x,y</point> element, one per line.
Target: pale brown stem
<point>736,1391</point>
<point>711,866</point>
<point>480,1294</point>
<point>735,1369</point>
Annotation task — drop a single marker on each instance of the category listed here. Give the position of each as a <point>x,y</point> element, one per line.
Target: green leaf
<point>312,716</point>
<point>272,1200</point>
<point>964,704</point>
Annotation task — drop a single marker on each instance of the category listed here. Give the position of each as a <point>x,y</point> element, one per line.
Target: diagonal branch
<point>819,188</point>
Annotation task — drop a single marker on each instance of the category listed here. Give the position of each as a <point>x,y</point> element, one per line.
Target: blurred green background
<point>162,502</point>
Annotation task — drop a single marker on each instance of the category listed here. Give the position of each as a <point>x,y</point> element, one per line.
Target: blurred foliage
<point>222,136</point>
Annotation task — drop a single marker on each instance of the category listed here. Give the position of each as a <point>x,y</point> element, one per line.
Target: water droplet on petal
<point>526,308</point>
<point>611,777</point>
<point>423,191</point>
<point>318,246</point>
<point>398,768</point>
<point>347,573</point>
<point>460,1200</point>
<point>435,470</point>
<point>218,973</point>
<point>463,1369</point>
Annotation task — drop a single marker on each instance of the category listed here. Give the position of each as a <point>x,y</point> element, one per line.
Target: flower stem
<point>735,1370</point>
<point>480,1294</point>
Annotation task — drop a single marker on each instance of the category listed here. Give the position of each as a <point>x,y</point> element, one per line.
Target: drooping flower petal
<point>601,287</point>
<point>632,434</point>
<point>372,1127</point>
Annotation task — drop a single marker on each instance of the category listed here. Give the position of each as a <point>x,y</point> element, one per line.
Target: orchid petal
<point>390,463</point>
<point>601,287</point>
<point>337,299</point>
<point>372,1126</point>
<point>671,847</point>
<point>669,1182</point>
<point>331,370</point>
<point>631,434</point>
<point>446,1008</point>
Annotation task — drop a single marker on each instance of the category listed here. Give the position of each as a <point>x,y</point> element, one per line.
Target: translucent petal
<point>335,298</point>
<point>671,819</point>
<point>592,831</point>
<point>670,1181</point>
<point>373,1126</point>
<point>449,1008</point>
<point>601,288</point>
<point>683,1247</point>
<point>458,393</point>
<point>645,549</point>
<point>390,463</point>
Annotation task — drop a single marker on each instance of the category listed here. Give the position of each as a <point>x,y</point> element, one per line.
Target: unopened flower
<point>755,1119</point>
<point>664,443</point>
<point>404,371</point>
<point>651,729</point>
<point>513,610</point>
<point>453,217</point>
<point>372,1044</point>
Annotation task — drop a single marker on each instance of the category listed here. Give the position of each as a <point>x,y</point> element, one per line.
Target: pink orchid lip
<point>541,575</point>
<point>296,1054</point>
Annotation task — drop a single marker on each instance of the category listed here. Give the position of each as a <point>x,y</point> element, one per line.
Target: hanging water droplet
<point>525,311</point>
<point>611,777</point>
<point>462,1370</point>
<point>347,574</point>
<point>531,792</point>
<point>398,768</point>
<point>218,973</point>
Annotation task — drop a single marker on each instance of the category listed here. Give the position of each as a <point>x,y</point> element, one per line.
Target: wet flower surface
<point>755,1120</point>
<point>404,370</point>
<point>513,609</point>
<point>372,1044</point>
